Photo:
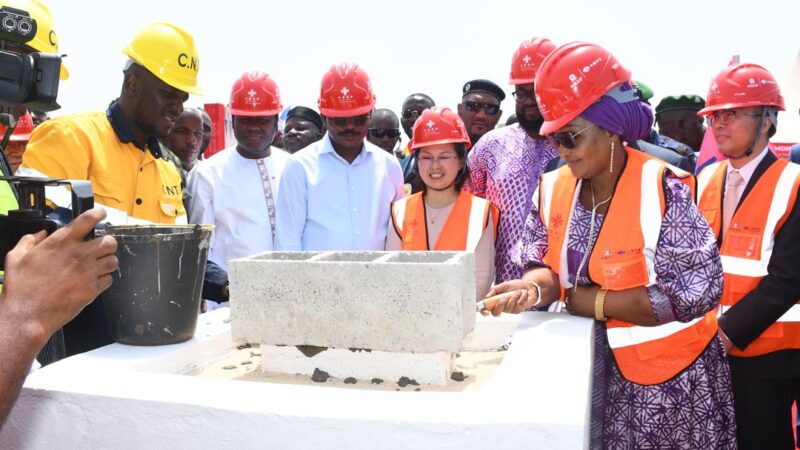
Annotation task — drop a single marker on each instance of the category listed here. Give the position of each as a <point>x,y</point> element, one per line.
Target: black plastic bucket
<point>155,297</point>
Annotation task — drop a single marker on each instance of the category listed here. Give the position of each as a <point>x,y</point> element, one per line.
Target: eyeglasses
<point>443,159</point>
<point>391,133</point>
<point>523,96</point>
<point>411,114</point>
<point>358,121</point>
<point>488,108</point>
<point>727,116</point>
<point>566,139</point>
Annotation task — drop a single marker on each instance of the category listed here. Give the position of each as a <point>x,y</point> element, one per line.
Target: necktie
<point>731,198</point>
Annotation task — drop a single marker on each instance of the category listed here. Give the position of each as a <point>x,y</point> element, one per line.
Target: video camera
<point>29,78</point>
<point>35,215</point>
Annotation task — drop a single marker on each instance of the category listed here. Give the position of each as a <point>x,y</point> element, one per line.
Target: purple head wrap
<point>621,112</point>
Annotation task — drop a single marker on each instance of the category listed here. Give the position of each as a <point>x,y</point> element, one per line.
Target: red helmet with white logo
<point>742,86</point>
<point>255,94</point>
<point>345,91</point>
<point>528,58</point>
<point>573,77</point>
<point>22,132</point>
<point>439,125</point>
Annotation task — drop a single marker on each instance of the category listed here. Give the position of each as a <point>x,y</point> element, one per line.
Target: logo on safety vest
<point>556,221</point>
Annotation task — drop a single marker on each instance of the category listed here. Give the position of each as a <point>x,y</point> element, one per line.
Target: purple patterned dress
<point>694,410</point>
<point>505,166</point>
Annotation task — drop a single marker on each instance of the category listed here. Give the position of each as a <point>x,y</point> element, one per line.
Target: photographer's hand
<point>48,281</point>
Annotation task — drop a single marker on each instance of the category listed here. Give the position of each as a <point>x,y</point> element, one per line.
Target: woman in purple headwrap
<point>615,236</point>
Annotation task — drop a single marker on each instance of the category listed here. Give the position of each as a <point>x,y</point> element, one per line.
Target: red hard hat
<point>528,58</point>
<point>345,91</point>
<point>573,77</point>
<point>255,94</point>
<point>439,125</point>
<point>742,86</point>
<point>23,130</point>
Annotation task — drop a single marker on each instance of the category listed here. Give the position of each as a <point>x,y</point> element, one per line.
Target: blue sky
<point>428,46</point>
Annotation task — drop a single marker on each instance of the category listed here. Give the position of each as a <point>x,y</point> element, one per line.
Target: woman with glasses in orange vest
<point>614,235</point>
<point>443,217</point>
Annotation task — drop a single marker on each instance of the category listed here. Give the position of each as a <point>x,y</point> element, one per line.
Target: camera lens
<point>9,23</point>
<point>25,27</point>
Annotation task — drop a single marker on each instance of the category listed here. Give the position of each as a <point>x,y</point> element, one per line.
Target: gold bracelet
<point>599,305</point>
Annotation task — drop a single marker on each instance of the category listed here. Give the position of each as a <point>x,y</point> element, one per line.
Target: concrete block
<point>364,365</point>
<point>391,301</point>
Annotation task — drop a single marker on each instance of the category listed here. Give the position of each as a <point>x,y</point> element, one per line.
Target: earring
<point>611,161</point>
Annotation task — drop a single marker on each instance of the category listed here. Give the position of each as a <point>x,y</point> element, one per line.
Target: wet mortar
<point>471,370</point>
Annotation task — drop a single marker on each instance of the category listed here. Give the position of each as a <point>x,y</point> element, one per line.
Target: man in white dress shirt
<point>237,189</point>
<point>336,193</point>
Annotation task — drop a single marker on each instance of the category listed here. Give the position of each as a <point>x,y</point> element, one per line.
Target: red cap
<point>573,77</point>
<point>345,91</point>
<point>255,94</point>
<point>528,58</point>
<point>742,86</point>
<point>439,125</point>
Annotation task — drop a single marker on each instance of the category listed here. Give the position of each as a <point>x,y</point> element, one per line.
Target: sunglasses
<point>489,109</point>
<point>381,132</point>
<point>358,121</point>
<point>411,114</point>
<point>566,139</point>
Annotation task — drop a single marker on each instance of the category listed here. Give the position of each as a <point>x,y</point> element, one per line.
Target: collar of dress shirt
<point>327,147</point>
<point>748,169</point>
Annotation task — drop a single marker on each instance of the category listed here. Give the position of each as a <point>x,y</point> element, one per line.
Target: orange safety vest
<point>748,242</point>
<point>461,232</point>
<point>623,257</point>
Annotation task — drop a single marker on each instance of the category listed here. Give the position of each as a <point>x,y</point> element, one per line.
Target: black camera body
<point>35,215</point>
<point>27,78</point>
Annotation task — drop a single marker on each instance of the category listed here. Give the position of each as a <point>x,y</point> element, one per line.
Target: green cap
<point>645,90</point>
<point>680,103</point>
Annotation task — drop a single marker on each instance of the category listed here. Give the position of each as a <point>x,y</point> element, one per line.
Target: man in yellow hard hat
<point>118,150</point>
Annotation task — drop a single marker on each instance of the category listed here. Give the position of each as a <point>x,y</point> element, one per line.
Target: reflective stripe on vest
<point>462,229</point>
<point>623,257</point>
<point>746,247</point>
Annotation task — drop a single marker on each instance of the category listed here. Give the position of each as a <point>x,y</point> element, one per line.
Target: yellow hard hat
<point>168,52</point>
<point>45,39</point>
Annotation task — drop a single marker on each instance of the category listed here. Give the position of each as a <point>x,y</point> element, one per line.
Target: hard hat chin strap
<point>749,151</point>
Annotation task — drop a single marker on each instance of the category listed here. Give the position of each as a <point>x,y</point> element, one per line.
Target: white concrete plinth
<point>491,333</point>
<point>122,397</point>
<point>392,301</point>
<point>427,368</point>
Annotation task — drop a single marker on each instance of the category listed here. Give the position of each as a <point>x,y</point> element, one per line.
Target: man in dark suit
<point>751,202</point>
